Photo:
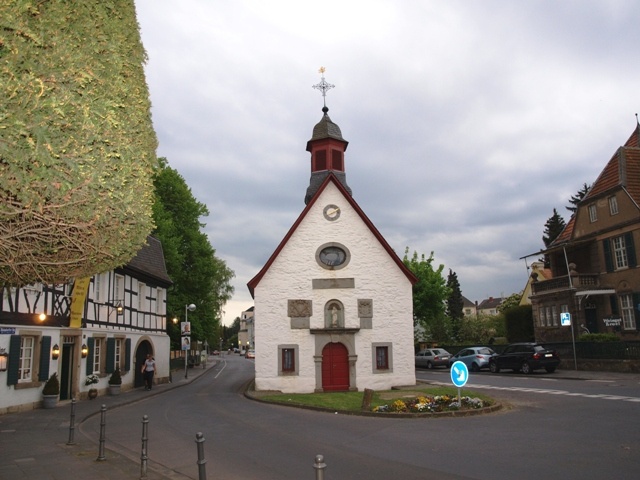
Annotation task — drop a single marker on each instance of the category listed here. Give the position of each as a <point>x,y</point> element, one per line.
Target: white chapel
<point>333,303</point>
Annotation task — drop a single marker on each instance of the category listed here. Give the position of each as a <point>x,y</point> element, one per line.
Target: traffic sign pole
<point>459,376</point>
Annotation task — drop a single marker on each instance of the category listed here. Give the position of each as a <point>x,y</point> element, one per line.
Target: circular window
<point>332,256</point>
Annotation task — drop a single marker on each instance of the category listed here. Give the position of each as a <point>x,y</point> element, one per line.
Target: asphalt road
<point>551,428</point>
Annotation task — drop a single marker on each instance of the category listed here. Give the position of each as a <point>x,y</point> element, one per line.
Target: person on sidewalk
<point>148,369</point>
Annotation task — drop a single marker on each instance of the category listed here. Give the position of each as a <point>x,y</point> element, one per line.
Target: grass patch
<point>352,401</point>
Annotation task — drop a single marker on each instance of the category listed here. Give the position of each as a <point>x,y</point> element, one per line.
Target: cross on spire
<point>323,86</point>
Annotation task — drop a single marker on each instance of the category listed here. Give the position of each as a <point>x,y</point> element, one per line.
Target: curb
<point>248,389</point>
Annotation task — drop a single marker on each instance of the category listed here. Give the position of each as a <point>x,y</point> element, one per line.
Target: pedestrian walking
<point>148,369</point>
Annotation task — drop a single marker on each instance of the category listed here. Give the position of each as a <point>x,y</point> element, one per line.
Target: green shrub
<point>52,387</point>
<point>115,379</point>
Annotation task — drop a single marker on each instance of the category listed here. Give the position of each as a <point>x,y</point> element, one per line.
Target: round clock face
<point>331,212</point>
<point>332,256</point>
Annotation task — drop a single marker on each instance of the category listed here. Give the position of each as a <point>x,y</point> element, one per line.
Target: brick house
<point>593,262</point>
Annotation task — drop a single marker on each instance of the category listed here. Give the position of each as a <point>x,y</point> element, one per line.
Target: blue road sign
<point>565,319</point>
<point>459,374</point>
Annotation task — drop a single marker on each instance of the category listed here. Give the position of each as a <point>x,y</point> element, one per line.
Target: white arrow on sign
<point>461,375</point>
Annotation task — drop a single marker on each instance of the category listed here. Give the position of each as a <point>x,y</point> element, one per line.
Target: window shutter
<point>91,344</point>
<point>13,360</point>
<point>608,260</point>
<point>127,357</point>
<point>636,311</point>
<point>614,304</point>
<point>111,355</point>
<point>45,356</point>
<point>631,249</point>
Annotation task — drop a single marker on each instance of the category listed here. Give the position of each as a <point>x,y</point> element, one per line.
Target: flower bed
<point>430,404</point>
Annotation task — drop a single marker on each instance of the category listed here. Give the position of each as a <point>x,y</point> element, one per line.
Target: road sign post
<point>459,376</point>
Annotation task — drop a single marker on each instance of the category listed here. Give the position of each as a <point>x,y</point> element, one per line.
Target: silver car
<point>475,358</point>
<point>433,357</point>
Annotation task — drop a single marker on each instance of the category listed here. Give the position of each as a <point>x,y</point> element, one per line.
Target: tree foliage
<point>77,148</point>
<point>199,277</point>
<point>429,295</point>
<point>480,329</point>
<point>511,301</point>
<point>575,199</point>
<point>455,305</point>
<point>554,226</point>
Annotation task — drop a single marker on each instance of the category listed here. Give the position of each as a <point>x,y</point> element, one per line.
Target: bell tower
<point>327,148</point>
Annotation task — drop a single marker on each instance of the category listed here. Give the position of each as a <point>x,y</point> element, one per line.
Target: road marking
<point>546,391</point>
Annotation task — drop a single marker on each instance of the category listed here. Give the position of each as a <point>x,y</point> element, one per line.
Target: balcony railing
<point>562,283</point>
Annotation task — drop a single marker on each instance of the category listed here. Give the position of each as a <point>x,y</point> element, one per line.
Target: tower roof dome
<point>325,128</point>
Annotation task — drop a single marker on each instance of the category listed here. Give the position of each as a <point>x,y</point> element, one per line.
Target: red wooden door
<point>335,367</point>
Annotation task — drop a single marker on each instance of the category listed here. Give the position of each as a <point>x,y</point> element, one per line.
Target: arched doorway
<point>141,355</point>
<point>335,367</point>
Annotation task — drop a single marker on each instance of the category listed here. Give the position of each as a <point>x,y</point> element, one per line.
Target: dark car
<point>525,358</point>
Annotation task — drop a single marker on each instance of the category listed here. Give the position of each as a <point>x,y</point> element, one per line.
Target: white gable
<point>371,275</point>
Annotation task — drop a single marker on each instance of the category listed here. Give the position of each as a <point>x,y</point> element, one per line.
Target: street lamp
<point>187,309</point>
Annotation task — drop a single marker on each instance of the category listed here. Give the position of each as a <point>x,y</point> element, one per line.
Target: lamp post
<point>187,309</point>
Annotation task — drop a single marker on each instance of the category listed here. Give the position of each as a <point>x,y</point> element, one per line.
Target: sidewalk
<point>33,444</point>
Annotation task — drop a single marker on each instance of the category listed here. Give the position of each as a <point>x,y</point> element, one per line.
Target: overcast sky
<point>467,121</point>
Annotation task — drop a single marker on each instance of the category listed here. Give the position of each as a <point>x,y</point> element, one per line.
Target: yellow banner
<point>78,298</point>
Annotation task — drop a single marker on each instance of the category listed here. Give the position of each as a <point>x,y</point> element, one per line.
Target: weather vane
<point>323,86</point>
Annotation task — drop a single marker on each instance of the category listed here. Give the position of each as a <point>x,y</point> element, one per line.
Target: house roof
<point>490,302</point>
<point>622,171</point>
<point>149,262</point>
<point>467,303</point>
<point>331,178</point>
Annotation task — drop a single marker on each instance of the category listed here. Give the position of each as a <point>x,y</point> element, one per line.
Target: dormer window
<point>613,205</point>
<point>593,213</point>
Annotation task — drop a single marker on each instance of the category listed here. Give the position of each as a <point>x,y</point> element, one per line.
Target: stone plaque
<point>299,308</point>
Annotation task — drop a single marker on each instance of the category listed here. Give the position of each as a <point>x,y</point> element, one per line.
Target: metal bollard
<point>202,472</point>
<point>319,465</point>
<point>103,422</point>
<point>143,456</point>
<point>72,422</point>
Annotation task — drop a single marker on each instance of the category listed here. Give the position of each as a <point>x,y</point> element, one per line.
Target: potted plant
<point>90,380</point>
<point>51,392</point>
<point>115,381</point>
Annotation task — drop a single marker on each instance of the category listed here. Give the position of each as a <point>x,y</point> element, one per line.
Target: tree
<point>455,305</point>
<point>575,199</point>
<point>511,301</point>
<point>429,295</point>
<point>554,226</point>
<point>199,277</point>
<point>77,148</point>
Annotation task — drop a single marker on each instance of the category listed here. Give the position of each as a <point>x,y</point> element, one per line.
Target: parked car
<point>433,357</point>
<point>475,358</point>
<point>525,357</point>
<point>250,354</point>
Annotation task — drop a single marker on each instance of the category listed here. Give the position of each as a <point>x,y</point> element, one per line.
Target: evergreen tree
<point>77,147</point>
<point>455,305</point>
<point>575,199</point>
<point>554,226</point>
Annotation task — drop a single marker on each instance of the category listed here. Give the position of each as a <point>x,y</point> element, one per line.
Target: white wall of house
<point>376,277</point>
<point>144,308</point>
